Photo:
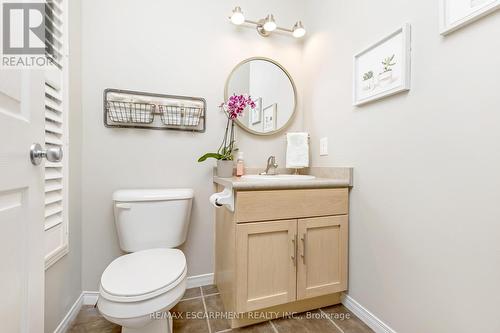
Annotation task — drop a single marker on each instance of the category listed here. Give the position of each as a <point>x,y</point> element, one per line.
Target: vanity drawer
<point>254,206</point>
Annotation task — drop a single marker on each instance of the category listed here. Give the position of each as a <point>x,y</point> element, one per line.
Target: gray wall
<point>182,48</point>
<point>424,210</point>
<point>63,279</point>
<point>424,225</point>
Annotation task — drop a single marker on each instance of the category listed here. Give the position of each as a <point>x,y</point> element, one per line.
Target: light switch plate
<point>323,147</point>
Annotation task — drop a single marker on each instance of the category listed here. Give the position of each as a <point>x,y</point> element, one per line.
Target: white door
<point>21,202</point>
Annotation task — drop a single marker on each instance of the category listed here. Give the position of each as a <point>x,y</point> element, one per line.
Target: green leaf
<point>210,155</point>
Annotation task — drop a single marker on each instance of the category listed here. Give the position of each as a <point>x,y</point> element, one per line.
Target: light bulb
<point>298,30</point>
<point>269,23</point>
<point>237,17</point>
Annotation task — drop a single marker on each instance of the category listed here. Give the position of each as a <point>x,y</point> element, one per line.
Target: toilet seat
<point>143,275</point>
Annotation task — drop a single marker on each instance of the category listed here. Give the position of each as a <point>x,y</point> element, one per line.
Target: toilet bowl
<point>138,289</point>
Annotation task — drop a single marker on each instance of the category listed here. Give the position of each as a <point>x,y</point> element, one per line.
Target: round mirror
<point>272,89</point>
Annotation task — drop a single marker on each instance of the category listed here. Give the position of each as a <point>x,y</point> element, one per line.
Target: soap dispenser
<point>240,165</point>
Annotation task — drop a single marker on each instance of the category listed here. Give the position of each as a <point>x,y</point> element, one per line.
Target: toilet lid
<point>143,272</point>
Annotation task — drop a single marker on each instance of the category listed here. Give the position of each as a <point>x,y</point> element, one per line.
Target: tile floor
<point>207,302</point>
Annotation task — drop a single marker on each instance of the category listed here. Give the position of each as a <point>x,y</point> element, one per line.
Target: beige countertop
<point>325,178</point>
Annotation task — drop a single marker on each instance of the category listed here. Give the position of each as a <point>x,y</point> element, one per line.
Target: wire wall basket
<point>180,116</point>
<point>131,109</point>
<point>134,113</point>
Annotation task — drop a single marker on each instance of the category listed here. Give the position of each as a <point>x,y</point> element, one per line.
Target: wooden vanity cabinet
<point>282,251</point>
<point>322,259</point>
<point>266,264</point>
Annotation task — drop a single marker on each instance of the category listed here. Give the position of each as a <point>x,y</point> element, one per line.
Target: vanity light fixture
<point>237,17</point>
<point>267,25</point>
<point>298,30</point>
<point>270,23</point>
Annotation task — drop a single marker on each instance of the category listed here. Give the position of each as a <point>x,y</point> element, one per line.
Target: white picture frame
<point>455,14</point>
<point>396,45</point>
<point>256,113</point>
<point>269,114</point>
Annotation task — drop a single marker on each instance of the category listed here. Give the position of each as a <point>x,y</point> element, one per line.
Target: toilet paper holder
<point>224,198</point>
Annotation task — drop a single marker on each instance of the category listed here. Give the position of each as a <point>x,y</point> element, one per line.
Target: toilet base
<point>156,326</point>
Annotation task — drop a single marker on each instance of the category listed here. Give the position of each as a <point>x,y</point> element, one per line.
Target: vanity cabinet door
<point>265,264</point>
<point>322,256</point>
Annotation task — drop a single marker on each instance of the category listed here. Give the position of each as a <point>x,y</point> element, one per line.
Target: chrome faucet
<point>271,166</point>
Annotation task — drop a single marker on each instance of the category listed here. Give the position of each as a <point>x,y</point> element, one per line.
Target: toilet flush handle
<point>123,205</point>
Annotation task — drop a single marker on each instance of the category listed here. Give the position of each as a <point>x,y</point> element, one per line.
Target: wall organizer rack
<point>133,109</point>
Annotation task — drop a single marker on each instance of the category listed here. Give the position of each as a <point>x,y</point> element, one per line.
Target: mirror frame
<point>294,111</point>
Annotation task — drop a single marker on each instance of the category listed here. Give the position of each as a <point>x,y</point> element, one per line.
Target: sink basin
<point>277,177</point>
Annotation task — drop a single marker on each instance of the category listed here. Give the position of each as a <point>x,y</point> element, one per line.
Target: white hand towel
<point>297,150</point>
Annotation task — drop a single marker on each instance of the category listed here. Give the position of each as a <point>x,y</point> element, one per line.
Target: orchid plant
<point>233,108</point>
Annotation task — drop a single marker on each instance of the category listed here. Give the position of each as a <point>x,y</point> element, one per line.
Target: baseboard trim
<point>65,324</point>
<point>200,280</point>
<point>366,316</point>
<point>90,297</point>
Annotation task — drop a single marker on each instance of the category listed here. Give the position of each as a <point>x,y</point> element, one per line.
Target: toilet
<point>139,288</point>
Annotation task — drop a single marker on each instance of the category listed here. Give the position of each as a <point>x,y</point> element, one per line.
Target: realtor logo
<point>23,38</point>
<point>23,28</point>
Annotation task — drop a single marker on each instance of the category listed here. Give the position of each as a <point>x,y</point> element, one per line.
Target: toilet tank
<point>152,218</point>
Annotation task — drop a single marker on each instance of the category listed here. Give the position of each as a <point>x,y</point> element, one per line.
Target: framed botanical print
<point>383,68</point>
<point>269,115</point>
<point>455,14</point>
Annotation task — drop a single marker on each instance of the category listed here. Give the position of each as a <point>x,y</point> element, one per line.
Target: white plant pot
<point>385,76</point>
<point>224,168</point>
<point>368,84</point>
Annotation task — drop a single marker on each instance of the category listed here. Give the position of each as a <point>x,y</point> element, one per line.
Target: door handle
<point>294,255</point>
<point>37,153</point>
